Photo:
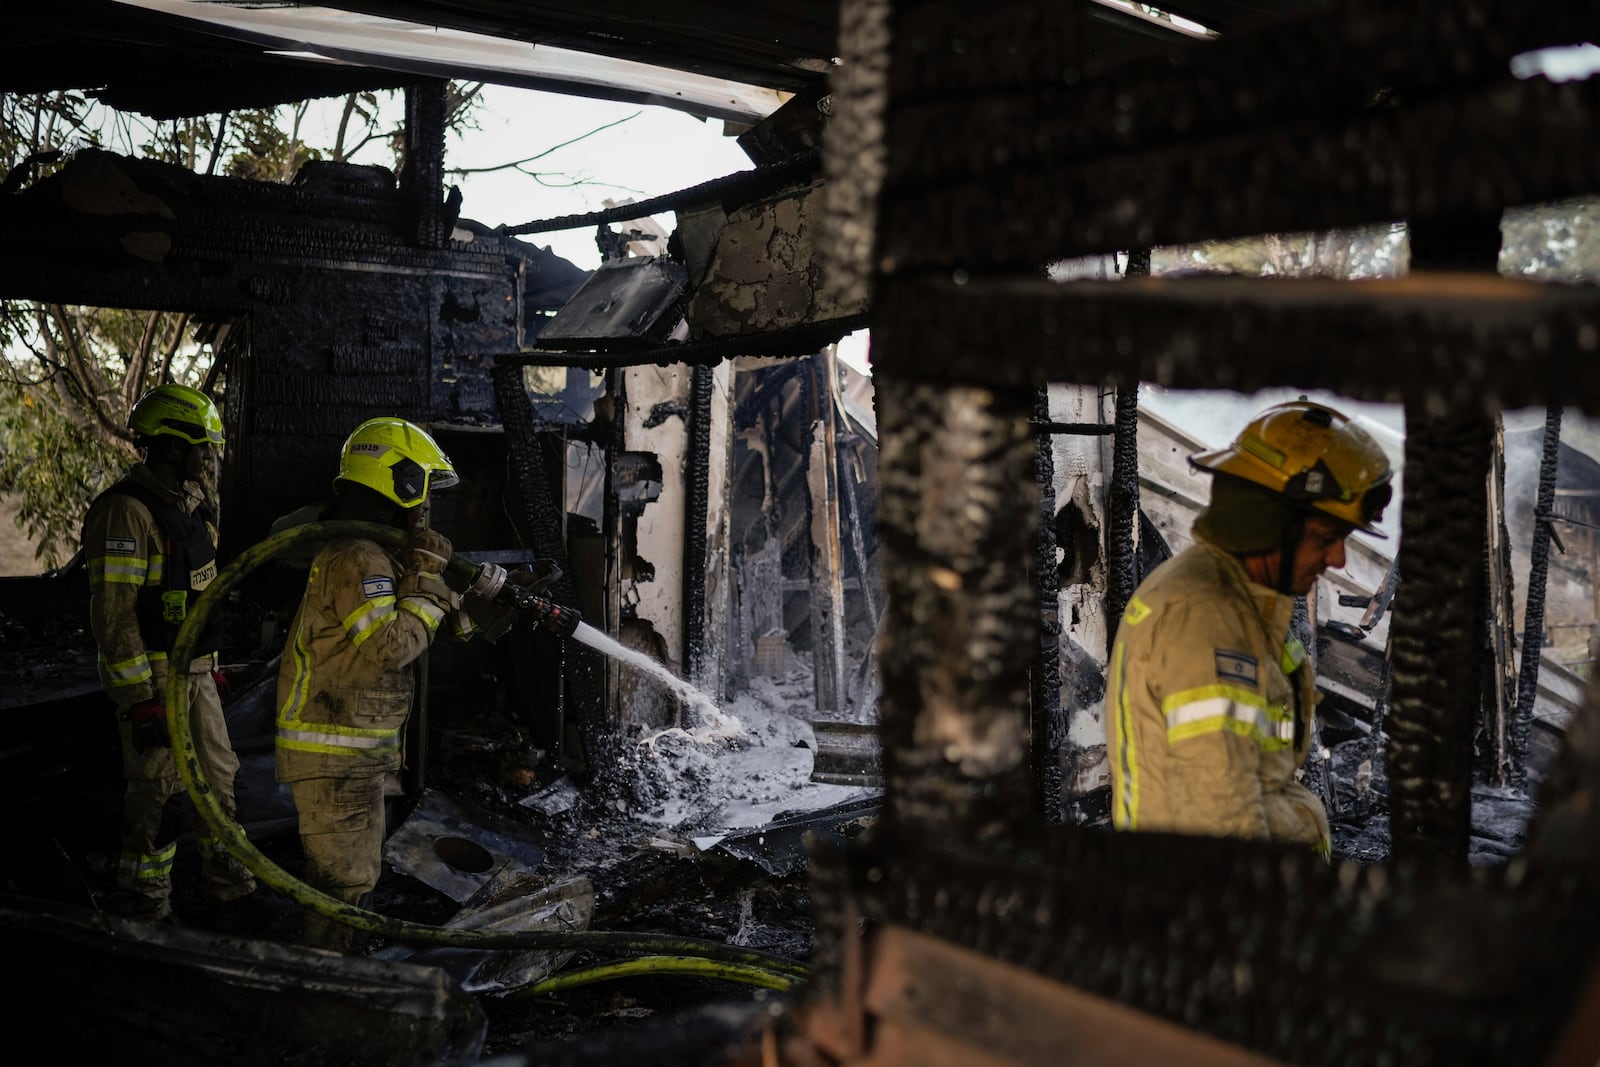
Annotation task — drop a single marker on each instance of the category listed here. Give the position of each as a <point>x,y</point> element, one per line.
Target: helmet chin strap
<point>1293,531</point>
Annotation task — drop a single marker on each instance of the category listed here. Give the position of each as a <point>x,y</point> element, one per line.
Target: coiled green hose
<point>673,954</point>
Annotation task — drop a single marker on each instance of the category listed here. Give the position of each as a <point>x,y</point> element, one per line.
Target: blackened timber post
<point>1048,722</point>
<point>544,519</point>
<point>422,170</point>
<point>827,587</point>
<point>1440,619</point>
<point>1122,498</point>
<point>697,484</point>
<point>957,536</point>
<point>1532,642</point>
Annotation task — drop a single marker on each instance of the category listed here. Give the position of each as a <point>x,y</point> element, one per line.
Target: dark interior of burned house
<point>995,192</point>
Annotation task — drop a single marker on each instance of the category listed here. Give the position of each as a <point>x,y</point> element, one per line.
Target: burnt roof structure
<point>170,58</point>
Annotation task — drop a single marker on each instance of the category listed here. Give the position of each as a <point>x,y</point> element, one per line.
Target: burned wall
<point>757,267</point>
<point>346,318</point>
<point>673,599</point>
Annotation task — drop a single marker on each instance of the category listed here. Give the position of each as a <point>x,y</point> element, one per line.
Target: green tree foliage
<point>54,465</point>
<point>69,375</point>
<point>73,374</point>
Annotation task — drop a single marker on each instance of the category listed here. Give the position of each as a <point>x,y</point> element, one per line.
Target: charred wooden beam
<point>1047,720</point>
<point>1532,642</point>
<point>1456,339</point>
<point>731,191</point>
<point>1435,635</point>
<point>804,340</point>
<point>1441,618</point>
<point>1326,60</point>
<point>543,517</point>
<point>1122,496</point>
<point>1368,110</point>
<point>956,523</point>
<point>697,485</point>
<point>422,176</point>
<point>826,586</point>
<point>855,154</point>
<point>1042,426</point>
<point>1268,949</point>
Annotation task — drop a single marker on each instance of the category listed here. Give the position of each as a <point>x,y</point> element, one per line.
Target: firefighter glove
<point>427,552</point>
<point>149,721</point>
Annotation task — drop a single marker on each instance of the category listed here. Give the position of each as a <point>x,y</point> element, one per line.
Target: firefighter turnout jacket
<point>151,552</point>
<point>1209,707</point>
<point>346,681</point>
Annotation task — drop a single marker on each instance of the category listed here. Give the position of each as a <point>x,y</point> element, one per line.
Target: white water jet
<point>714,725</point>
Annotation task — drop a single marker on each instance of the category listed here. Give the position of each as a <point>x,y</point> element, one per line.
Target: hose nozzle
<point>487,581</point>
<point>490,583</point>
<point>563,620</point>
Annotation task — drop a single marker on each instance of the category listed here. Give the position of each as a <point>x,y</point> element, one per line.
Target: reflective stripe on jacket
<point>1204,732</point>
<point>345,684</point>
<point>123,546</point>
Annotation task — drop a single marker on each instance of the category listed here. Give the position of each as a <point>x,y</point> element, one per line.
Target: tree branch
<point>520,163</point>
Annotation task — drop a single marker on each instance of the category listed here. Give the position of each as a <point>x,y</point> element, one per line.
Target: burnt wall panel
<point>347,318</point>
<point>472,319</point>
<point>345,347</point>
<point>765,272</point>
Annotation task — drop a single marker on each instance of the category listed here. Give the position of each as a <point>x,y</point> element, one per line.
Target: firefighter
<point>150,542</point>
<point>1210,698</point>
<point>345,685</point>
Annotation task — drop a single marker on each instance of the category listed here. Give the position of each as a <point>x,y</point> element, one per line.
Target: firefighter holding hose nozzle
<point>346,681</point>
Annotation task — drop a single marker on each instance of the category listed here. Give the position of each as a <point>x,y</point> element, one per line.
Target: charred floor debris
<point>899,586</point>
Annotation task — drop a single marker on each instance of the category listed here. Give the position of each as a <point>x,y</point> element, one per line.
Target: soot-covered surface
<point>1359,814</point>
<point>648,842</point>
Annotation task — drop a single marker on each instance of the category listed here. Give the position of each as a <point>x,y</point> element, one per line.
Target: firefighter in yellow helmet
<point>346,681</point>
<point>150,543</point>
<point>1209,699</point>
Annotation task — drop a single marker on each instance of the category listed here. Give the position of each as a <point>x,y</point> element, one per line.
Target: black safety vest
<point>188,551</point>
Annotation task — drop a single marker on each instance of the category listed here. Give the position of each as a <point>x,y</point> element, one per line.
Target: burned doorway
<point>531,497</point>
<point>804,540</point>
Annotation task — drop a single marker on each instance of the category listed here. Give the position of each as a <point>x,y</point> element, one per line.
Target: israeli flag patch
<point>377,586</point>
<point>1237,667</point>
<point>121,546</point>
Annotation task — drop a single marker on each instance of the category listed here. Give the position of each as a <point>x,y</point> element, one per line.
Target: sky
<point>639,151</point>
<point>589,151</point>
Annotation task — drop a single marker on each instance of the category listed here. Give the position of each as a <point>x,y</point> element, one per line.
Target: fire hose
<point>657,953</point>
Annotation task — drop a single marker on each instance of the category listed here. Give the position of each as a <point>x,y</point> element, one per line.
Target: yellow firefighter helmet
<point>173,410</point>
<point>1314,457</point>
<point>395,459</point>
